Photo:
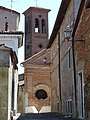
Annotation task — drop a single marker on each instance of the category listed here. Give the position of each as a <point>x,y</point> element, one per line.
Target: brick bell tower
<point>36,30</point>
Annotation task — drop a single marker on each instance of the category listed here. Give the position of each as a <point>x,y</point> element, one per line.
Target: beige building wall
<point>3,93</point>
<point>6,84</point>
<point>9,83</point>
<point>81,49</point>
<point>67,86</point>
<point>66,74</point>
<point>67,82</point>
<point>54,76</point>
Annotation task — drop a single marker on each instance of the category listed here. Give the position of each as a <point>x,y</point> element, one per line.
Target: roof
<point>19,34</point>
<point>78,17</point>
<point>11,32</point>
<point>9,10</point>
<point>60,16</point>
<point>3,47</point>
<point>59,19</point>
<point>35,9</point>
<point>37,58</point>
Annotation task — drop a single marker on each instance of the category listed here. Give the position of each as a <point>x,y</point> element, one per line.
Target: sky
<point>22,5</point>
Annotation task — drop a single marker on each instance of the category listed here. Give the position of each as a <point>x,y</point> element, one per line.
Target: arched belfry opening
<point>36,25</point>
<point>43,26</point>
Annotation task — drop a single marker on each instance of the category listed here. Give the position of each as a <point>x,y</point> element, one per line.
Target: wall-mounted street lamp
<point>67,33</point>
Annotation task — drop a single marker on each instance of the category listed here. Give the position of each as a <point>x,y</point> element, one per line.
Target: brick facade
<point>37,77</point>
<point>36,31</point>
<point>83,53</point>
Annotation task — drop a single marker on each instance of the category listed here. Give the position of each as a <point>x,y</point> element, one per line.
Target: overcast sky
<point>21,5</point>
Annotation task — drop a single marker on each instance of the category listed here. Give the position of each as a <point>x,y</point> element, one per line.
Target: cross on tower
<point>36,2</point>
<point>11,4</point>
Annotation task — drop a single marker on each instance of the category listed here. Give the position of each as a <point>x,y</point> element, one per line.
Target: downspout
<point>59,73</point>
<point>74,75</point>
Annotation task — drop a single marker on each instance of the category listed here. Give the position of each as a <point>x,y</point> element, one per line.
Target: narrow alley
<point>44,116</point>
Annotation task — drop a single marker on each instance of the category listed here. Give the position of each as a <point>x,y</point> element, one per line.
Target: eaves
<point>62,10</point>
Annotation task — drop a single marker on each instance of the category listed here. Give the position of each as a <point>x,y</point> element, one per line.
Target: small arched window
<point>36,25</point>
<point>43,26</point>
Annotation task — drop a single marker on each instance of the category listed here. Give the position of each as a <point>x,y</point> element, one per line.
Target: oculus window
<point>41,94</point>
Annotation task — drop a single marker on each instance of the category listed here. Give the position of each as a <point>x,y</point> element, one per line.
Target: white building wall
<point>45,109</point>
<point>9,89</point>
<point>15,90</point>
<point>12,18</point>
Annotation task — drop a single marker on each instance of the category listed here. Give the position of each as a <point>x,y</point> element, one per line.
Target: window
<point>36,25</point>
<point>69,106</point>
<point>68,59</point>
<point>80,95</point>
<point>6,24</point>
<point>62,34</point>
<point>43,26</point>
<point>41,94</point>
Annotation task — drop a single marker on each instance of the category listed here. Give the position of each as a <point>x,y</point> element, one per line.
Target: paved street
<point>44,116</point>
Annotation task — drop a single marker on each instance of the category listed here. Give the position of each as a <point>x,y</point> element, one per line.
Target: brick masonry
<point>83,53</point>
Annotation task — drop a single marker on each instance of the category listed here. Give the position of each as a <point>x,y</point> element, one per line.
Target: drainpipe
<point>59,71</point>
<point>74,75</point>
